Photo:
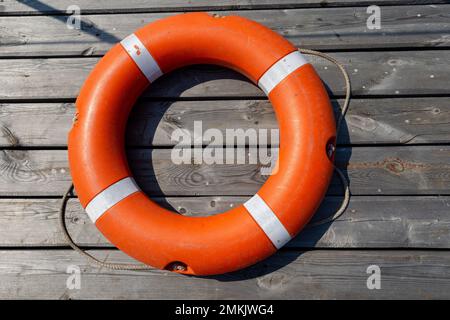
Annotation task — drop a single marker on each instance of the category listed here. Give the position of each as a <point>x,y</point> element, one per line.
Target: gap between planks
<point>52,7</point>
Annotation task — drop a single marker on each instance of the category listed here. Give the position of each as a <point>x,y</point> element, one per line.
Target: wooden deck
<point>394,148</point>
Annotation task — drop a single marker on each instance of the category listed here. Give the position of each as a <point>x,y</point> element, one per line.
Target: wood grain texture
<point>337,274</point>
<point>398,217</point>
<point>369,222</point>
<point>323,28</point>
<point>152,123</point>
<point>371,170</point>
<point>42,7</point>
<point>376,73</point>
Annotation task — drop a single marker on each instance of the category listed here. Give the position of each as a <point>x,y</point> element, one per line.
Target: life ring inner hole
<point>154,118</point>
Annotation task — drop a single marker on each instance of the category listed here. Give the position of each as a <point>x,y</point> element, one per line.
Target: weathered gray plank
<point>372,170</point>
<point>336,274</point>
<point>369,222</point>
<point>108,6</point>
<point>152,123</point>
<point>372,73</point>
<point>396,170</point>
<point>324,28</point>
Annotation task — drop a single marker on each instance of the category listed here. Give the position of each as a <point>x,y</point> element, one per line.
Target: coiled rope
<point>336,215</point>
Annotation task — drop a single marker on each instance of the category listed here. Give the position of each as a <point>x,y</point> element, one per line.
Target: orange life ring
<point>239,237</point>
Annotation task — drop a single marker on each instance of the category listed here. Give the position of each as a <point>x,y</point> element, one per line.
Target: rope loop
<point>344,109</point>
<point>331,218</point>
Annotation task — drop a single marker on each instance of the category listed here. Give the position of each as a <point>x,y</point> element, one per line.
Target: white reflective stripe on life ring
<point>142,57</point>
<point>110,196</point>
<point>268,221</point>
<point>280,70</point>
